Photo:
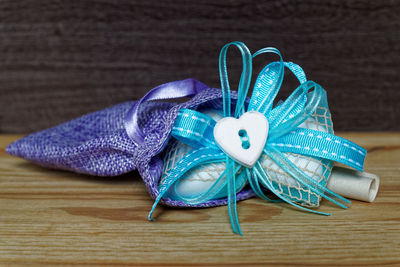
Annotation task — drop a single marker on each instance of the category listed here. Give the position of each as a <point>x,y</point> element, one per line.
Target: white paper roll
<point>353,184</point>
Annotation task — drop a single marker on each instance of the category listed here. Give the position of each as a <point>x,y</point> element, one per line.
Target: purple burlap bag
<point>98,143</point>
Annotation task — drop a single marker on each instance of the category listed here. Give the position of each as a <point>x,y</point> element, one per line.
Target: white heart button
<point>242,139</point>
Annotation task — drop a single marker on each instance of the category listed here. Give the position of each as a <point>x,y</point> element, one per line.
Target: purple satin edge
<point>171,90</point>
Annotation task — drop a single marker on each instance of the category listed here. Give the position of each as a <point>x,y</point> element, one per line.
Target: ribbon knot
<point>196,130</point>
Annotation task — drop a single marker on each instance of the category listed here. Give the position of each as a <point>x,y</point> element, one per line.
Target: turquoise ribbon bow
<point>196,130</point>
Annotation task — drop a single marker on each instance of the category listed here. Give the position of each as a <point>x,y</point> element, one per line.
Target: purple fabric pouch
<point>98,143</point>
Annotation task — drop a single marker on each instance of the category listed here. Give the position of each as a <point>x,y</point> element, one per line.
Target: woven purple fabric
<point>97,143</point>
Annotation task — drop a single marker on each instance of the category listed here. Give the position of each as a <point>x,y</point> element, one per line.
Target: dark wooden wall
<point>60,59</point>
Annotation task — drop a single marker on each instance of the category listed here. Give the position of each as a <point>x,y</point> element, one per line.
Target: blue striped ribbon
<point>196,129</point>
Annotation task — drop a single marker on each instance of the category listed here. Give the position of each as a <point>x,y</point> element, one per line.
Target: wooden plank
<point>61,59</point>
<point>50,217</point>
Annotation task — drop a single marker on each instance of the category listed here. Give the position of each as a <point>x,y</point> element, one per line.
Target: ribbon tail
<point>191,160</point>
<point>230,167</point>
<point>215,189</point>
<point>255,185</point>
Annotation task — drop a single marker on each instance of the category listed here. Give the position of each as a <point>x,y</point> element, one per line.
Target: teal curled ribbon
<point>196,130</point>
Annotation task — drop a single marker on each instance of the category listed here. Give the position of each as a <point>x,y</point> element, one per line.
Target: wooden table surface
<point>50,217</point>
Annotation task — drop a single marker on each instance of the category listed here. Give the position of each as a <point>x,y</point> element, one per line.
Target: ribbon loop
<point>274,83</point>
<point>244,81</point>
<point>295,110</point>
<point>172,90</point>
<point>265,87</point>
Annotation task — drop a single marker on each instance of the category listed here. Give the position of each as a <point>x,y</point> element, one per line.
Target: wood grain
<point>61,59</point>
<point>50,217</point>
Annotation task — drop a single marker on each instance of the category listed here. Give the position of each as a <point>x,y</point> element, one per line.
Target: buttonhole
<point>242,133</point>
<point>244,138</point>
<point>246,144</point>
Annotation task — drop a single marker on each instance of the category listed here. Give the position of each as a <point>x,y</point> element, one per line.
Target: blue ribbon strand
<point>196,130</point>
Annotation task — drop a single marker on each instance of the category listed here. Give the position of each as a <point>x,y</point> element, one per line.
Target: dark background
<point>61,59</point>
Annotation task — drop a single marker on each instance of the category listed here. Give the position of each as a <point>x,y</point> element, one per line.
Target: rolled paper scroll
<point>353,184</point>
